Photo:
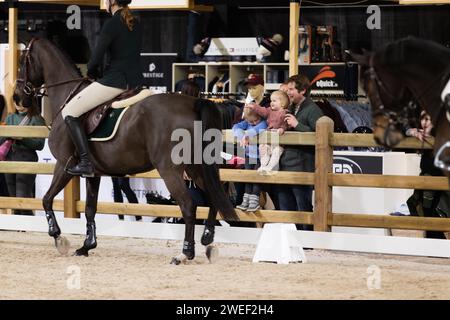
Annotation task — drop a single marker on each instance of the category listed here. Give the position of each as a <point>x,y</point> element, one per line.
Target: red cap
<point>254,79</point>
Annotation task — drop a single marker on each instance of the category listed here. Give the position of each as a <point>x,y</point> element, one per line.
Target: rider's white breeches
<point>89,98</point>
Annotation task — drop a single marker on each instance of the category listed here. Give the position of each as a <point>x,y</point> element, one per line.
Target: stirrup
<point>79,172</point>
<point>440,163</point>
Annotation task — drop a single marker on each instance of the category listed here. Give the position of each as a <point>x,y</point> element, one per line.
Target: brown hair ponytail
<point>128,17</point>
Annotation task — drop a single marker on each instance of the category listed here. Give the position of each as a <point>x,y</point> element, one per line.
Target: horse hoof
<point>178,259</point>
<point>212,252</point>
<point>81,252</point>
<point>62,245</point>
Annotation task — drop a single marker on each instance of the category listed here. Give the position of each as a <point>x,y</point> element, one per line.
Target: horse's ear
<point>361,59</point>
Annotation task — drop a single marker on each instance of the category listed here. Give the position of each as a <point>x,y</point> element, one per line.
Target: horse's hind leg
<point>177,188</point>
<point>208,235</point>
<point>208,232</point>
<point>59,181</point>
<point>92,185</point>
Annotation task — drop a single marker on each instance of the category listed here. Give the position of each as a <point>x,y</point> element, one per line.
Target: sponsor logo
<point>326,84</point>
<point>152,74</point>
<point>325,73</point>
<point>346,166</point>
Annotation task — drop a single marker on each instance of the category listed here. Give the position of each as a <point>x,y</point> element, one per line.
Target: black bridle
<point>34,92</point>
<point>29,89</point>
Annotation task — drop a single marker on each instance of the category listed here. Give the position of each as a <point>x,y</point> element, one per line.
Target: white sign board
<point>3,68</point>
<point>155,4</point>
<point>232,47</point>
<point>140,187</point>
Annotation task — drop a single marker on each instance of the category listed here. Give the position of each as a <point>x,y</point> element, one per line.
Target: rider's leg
<point>90,97</point>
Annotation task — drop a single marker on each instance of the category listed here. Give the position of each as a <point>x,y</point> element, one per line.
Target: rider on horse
<point>121,39</point>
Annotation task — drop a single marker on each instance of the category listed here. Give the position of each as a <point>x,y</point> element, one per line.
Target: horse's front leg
<point>59,181</point>
<point>92,185</point>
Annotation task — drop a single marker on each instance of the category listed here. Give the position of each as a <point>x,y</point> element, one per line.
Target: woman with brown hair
<point>121,38</point>
<point>23,149</point>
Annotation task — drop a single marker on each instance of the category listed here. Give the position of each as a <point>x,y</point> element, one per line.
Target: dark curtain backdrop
<point>168,31</point>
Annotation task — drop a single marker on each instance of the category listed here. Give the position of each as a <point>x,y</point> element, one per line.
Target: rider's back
<point>123,48</point>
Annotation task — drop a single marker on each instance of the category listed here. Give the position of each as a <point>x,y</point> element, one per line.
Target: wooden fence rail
<point>323,180</point>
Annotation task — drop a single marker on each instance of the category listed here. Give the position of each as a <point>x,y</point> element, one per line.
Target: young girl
<point>275,114</point>
<point>244,130</point>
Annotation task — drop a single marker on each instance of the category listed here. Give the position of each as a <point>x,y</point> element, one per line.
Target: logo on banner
<point>232,47</point>
<point>325,73</point>
<point>346,166</point>
<point>152,74</point>
<point>326,84</point>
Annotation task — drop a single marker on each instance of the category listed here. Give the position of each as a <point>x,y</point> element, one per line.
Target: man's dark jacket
<point>302,158</point>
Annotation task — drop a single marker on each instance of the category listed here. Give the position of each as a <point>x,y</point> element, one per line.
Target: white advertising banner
<point>140,186</point>
<point>155,4</point>
<point>232,47</point>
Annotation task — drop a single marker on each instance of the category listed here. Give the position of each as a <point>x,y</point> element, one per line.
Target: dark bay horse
<point>401,79</point>
<point>142,143</point>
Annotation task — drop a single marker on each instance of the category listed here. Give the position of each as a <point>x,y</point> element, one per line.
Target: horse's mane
<point>413,51</point>
<point>61,53</point>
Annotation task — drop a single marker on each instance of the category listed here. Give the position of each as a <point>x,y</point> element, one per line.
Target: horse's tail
<point>211,119</point>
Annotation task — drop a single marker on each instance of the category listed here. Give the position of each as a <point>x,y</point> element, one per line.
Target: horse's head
<point>389,99</point>
<point>30,77</point>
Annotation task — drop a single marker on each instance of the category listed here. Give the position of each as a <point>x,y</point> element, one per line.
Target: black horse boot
<point>85,167</point>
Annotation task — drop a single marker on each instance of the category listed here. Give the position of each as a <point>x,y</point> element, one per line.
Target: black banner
<point>350,164</point>
<point>339,77</point>
<point>157,70</point>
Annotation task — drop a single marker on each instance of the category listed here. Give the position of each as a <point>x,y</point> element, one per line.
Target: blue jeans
<point>296,198</point>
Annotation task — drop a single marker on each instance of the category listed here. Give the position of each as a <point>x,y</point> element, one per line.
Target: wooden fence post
<point>71,196</point>
<point>324,165</point>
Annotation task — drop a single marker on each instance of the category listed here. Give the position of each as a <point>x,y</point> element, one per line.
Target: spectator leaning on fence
<point>23,149</point>
<point>302,117</point>
<point>244,130</point>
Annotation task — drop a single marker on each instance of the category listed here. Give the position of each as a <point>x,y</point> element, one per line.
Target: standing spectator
<point>123,184</point>
<point>244,130</point>
<point>426,202</point>
<point>302,117</point>
<point>256,89</point>
<point>23,149</point>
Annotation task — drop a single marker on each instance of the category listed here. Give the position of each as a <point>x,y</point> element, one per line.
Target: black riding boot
<point>85,167</point>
